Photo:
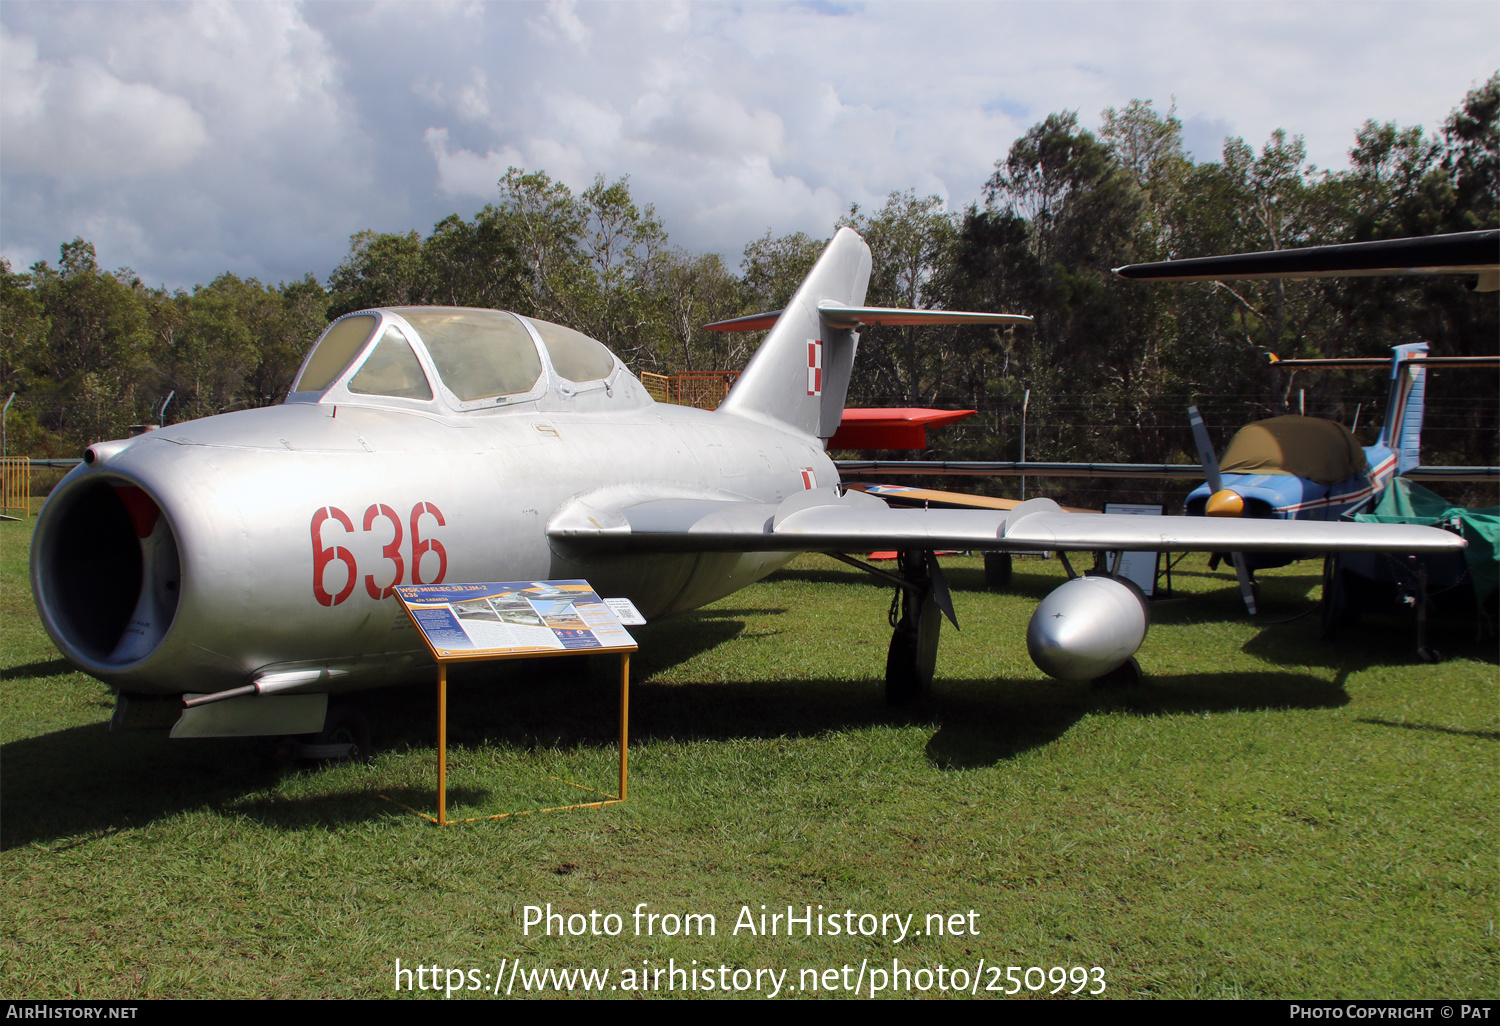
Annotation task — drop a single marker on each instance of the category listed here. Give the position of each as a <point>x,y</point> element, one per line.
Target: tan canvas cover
<point>1318,450</point>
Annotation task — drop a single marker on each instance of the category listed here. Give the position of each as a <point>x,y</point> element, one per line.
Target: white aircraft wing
<point>821,521</point>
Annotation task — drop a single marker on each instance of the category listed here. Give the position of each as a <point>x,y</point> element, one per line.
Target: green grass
<point>1267,816</point>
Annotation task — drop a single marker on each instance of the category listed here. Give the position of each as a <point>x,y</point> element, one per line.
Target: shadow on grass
<point>1378,640</point>
<point>328,811</point>
<point>47,668</point>
<point>85,780</point>
<point>979,730</point>
<point>1279,600</point>
<point>85,783</point>
<point>1483,735</point>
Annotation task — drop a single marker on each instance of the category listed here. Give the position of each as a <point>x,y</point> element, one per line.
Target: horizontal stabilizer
<point>857,522</point>
<point>837,316</point>
<point>752,322</point>
<point>864,316</point>
<point>1459,253</point>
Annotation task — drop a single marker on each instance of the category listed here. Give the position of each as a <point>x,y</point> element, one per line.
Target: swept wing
<point>822,521</point>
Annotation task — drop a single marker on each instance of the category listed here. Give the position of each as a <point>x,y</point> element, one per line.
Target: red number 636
<point>324,554</point>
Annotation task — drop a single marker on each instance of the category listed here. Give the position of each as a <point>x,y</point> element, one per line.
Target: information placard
<point>1139,567</point>
<point>511,619</point>
<point>483,621</point>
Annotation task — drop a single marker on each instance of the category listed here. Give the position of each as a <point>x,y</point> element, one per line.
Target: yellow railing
<point>703,389</point>
<point>15,486</point>
<point>658,386</point>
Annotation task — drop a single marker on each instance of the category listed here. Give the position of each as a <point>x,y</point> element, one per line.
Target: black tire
<point>1331,614</point>
<point>904,683</point>
<point>997,570</point>
<point>1126,675</point>
<point>345,724</point>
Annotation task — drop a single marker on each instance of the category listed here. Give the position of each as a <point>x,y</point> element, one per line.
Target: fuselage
<point>1288,497</point>
<point>201,556</point>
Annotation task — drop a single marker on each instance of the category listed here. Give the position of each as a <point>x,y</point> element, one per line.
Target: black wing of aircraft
<point>1460,253</point>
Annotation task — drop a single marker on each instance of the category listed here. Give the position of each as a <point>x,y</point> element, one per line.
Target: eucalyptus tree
<point>911,243</point>
<point>688,292</point>
<point>24,328</point>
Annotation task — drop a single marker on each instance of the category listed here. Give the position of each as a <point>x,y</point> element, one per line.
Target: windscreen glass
<point>340,345</point>
<point>392,369</point>
<point>479,354</point>
<point>574,355</point>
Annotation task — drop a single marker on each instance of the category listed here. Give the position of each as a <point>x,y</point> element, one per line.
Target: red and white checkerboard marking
<point>814,366</point>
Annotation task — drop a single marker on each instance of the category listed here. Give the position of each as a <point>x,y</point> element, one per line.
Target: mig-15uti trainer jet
<point>239,569</point>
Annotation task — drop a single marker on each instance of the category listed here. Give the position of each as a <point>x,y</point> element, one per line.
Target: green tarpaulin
<point>1406,503</point>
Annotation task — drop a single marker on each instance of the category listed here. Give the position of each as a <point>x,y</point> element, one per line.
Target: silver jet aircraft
<point>246,562</point>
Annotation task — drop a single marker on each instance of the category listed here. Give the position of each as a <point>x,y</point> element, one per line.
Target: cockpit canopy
<point>473,359</point>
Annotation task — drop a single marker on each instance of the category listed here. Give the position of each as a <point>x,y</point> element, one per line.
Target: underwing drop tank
<point>1087,627</point>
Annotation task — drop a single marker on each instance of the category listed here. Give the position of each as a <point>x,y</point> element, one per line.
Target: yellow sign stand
<point>524,619</point>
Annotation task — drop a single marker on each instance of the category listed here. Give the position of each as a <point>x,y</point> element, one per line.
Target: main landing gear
<point>345,737</point>
<point>917,609</point>
<point>916,616</point>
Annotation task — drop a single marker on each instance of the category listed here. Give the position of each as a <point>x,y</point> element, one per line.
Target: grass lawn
<point>1267,815</point>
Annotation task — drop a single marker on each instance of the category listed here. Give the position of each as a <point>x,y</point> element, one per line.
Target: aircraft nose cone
<point>1225,503</point>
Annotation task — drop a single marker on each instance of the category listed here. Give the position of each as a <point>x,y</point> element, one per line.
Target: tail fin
<point>800,374</point>
<point>1405,406</point>
<point>799,377</point>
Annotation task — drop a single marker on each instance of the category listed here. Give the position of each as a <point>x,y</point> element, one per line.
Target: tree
<point>24,328</point>
<point>772,268</point>
<point>911,243</point>
<point>1148,146</point>
<point>96,345</point>
<point>689,292</point>
<point>472,264</point>
<point>381,269</point>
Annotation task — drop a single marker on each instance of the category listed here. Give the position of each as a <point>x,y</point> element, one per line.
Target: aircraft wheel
<point>1126,675</point>
<point>1429,655</point>
<point>346,725</point>
<point>1331,612</point>
<point>904,681</point>
<point>997,569</point>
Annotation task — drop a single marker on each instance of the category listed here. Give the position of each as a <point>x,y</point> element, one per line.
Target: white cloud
<point>706,124</point>
<point>465,173</point>
<point>560,17</point>
<point>77,120</point>
<point>277,129</point>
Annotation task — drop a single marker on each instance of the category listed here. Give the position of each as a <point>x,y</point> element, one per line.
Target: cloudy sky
<point>187,139</point>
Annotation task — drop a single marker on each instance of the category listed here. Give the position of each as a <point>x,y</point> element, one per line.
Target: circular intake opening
<point>107,571</point>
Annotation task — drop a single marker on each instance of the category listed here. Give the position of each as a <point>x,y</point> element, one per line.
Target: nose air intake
<point>106,573</point>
